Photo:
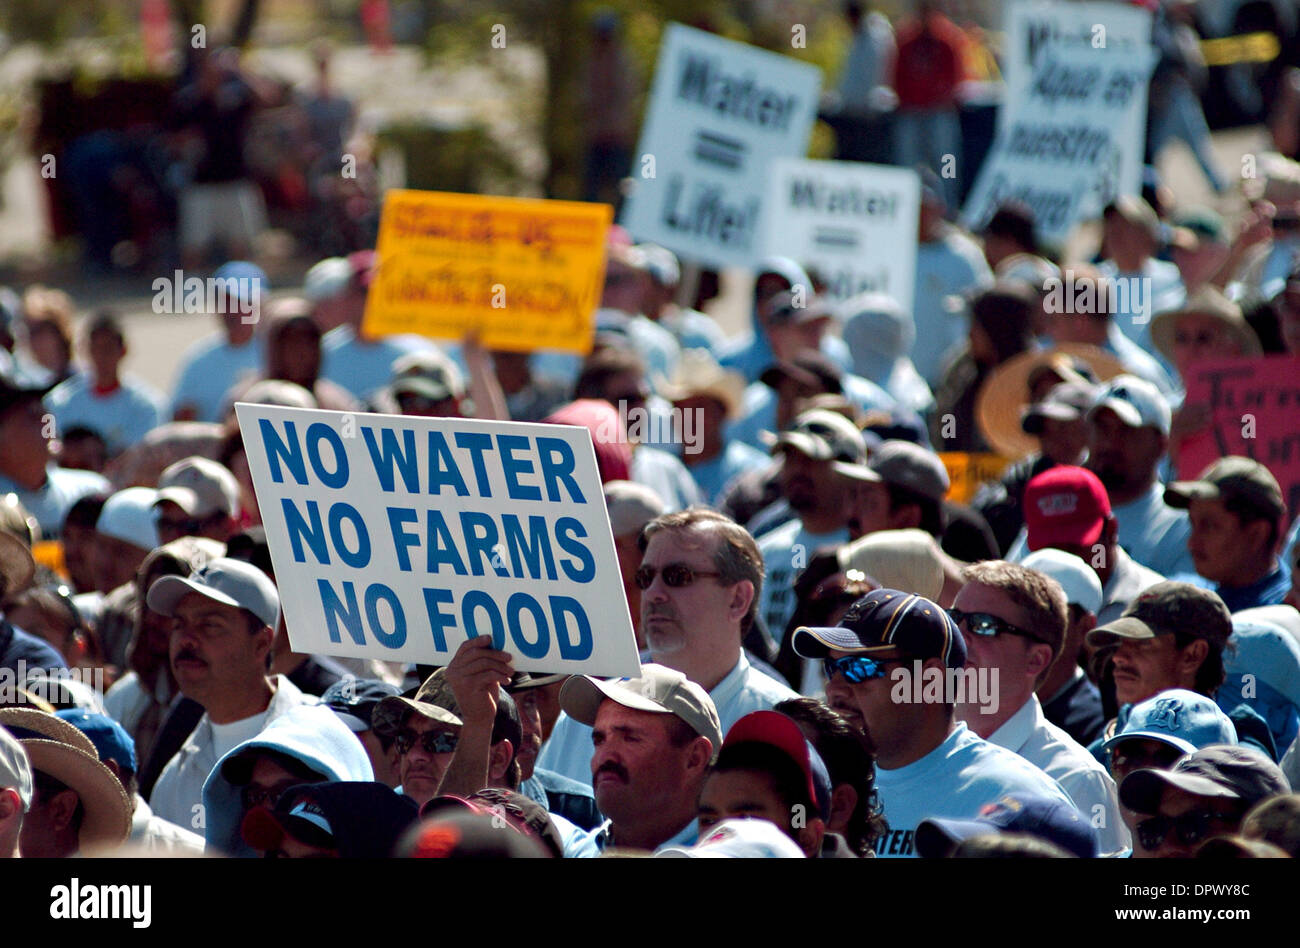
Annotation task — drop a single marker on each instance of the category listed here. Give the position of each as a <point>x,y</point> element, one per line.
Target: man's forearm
<point>468,771</point>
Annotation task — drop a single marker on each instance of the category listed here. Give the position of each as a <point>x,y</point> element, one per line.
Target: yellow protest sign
<point>526,274</point>
<point>967,471</point>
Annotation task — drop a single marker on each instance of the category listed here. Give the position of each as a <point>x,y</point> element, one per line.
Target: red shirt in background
<point>928,67</point>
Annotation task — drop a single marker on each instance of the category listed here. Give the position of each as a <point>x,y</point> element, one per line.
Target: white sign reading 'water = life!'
<point>856,223</point>
<point>1072,140</point>
<point>720,112</point>
<point>397,537</point>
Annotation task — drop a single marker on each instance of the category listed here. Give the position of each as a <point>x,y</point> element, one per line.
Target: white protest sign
<point>398,537</point>
<point>856,223</point>
<point>1072,140</point>
<point>719,113</point>
<point>1030,26</point>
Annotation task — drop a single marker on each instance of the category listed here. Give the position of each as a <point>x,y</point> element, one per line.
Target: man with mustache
<point>654,738</point>
<point>224,618</point>
<point>819,454</point>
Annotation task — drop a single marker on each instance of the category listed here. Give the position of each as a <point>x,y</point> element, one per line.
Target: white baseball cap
<point>229,582</point>
<point>1077,578</point>
<point>129,516</point>
<point>327,279</point>
<point>739,839</point>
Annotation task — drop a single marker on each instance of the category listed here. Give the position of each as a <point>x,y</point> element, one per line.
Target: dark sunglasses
<point>984,624</point>
<point>1130,760</point>
<point>675,575</point>
<point>433,742</point>
<point>855,668</point>
<point>1190,828</point>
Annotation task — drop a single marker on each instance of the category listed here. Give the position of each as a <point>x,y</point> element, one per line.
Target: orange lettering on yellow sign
<point>525,274</point>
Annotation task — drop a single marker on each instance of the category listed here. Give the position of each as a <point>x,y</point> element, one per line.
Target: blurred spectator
<point>1173,103</point>
<point>927,72</point>
<point>609,86</point>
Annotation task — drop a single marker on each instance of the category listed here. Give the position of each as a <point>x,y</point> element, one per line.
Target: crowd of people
<point>1091,658</point>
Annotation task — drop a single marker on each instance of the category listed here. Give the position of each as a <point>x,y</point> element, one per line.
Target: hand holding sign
<point>475,672</point>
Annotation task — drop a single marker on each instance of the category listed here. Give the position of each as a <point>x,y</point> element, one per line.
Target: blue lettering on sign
<point>558,462</point>
<point>480,538</point>
<point>478,599</point>
<point>561,608</point>
<point>397,637</point>
<point>476,442</point>
<point>391,458</point>
<point>515,606</point>
<point>348,611</point>
<point>533,550</point>
<point>439,621</point>
<point>402,540</point>
<point>587,563</point>
<point>316,433</point>
<point>443,469</point>
<point>513,467</point>
<point>354,558</point>
<point>277,450</point>
<point>298,528</point>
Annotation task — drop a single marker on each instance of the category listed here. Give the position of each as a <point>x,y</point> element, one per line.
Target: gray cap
<point>15,768</point>
<point>200,487</point>
<point>631,506</point>
<point>909,465</point>
<point>659,690</point>
<point>826,435</point>
<point>1233,772</point>
<point>229,582</point>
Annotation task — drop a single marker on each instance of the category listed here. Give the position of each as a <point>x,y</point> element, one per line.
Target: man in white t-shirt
<point>898,657</point>
<point>225,617</point>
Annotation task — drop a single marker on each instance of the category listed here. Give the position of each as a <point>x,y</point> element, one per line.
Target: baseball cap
<point>129,516</point>
<point>428,374</point>
<point>1077,578</point>
<point>14,388</point>
<point>781,732</point>
<point>659,690</point>
<point>1232,478</point>
<point>1065,506</point>
<point>1234,772</point>
<point>111,740</point>
<point>1065,401</point>
<point>1165,607</point>
<point>230,582</point>
<point>326,279</point>
<point>739,839</point>
<point>506,725</point>
<point>246,275</point>
<point>810,368</point>
<point>15,768</point>
<point>354,700</point>
<point>1045,817</point>
<point>661,263</point>
<point>631,506</point>
<point>200,487</point>
<point>885,623</point>
<point>468,835</point>
<point>512,808</point>
<point>1136,401</point>
<point>297,816</point>
<point>826,435</point>
<point>1267,651</point>
<point>388,715</point>
<point>782,308</point>
<point>1178,717</point>
<point>911,466</point>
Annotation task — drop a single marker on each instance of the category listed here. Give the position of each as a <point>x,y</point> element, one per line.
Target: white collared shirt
<point>1065,760</point>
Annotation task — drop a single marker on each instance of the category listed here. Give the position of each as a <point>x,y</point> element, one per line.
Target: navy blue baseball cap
<point>1044,817</point>
<point>111,740</point>
<point>354,700</point>
<point>888,623</point>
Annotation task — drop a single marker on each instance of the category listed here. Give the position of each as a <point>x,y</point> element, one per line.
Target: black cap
<point>354,699</point>
<point>810,368</point>
<point>1231,771</point>
<point>1165,607</point>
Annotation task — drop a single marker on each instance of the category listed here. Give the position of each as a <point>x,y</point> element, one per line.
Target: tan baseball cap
<point>659,690</point>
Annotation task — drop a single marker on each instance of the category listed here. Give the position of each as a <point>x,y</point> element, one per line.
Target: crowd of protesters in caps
<point>1090,658</point>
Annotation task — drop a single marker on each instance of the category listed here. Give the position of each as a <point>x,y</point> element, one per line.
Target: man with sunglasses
<point>1014,620</point>
<point>928,764</point>
<point>1204,795</point>
<point>1161,731</point>
<point>700,577</point>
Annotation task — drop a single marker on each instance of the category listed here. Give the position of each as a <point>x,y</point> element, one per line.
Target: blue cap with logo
<point>888,623</point>
<point>111,740</point>
<point>1044,817</point>
<point>1180,718</point>
<point>1137,402</point>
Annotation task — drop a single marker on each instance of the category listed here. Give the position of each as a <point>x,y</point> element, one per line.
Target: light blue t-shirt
<point>666,475</point>
<point>568,750</point>
<point>1154,533</point>
<point>786,551</point>
<point>208,370</point>
<point>950,266</point>
<point>1139,295</point>
<point>50,502</point>
<point>953,781</point>
<point>1138,361</point>
<point>363,367</point>
<point>712,476</point>
<point>123,417</point>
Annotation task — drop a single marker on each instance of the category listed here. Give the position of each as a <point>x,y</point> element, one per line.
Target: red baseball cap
<point>777,730</point>
<point>1065,506</point>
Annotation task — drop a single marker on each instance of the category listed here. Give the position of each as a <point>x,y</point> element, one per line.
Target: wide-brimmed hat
<point>16,565</point>
<point>699,374</point>
<point>60,750</point>
<point>1005,393</point>
<point>1207,301</point>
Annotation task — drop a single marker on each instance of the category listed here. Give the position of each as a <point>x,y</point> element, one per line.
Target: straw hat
<point>59,749</point>
<point>1207,301</point>
<point>16,565</point>
<point>698,373</point>
<point>1005,393</point>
